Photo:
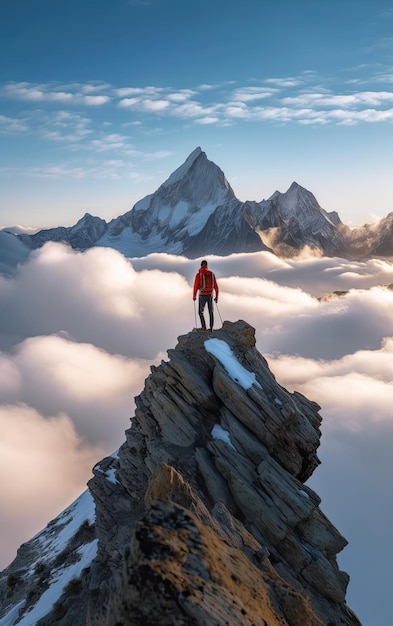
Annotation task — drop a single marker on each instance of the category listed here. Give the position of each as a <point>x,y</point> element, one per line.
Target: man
<point>205,282</point>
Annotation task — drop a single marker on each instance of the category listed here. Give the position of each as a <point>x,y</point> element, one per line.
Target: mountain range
<point>195,213</point>
<point>203,517</point>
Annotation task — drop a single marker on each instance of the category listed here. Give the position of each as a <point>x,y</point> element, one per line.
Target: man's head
<point>203,263</point>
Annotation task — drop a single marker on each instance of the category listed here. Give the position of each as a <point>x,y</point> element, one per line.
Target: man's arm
<point>196,286</point>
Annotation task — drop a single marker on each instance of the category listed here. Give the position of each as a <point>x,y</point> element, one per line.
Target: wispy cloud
<point>12,125</point>
<point>57,94</point>
<point>281,103</point>
<point>368,98</point>
<point>250,94</point>
<point>284,83</point>
<point>285,100</point>
<point>58,112</point>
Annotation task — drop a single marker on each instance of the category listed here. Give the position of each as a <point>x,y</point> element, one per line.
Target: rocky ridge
<point>204,515</point>
<point>210,491</point>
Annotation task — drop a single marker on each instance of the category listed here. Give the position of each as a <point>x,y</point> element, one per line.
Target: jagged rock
<point>203,516</point>
<point>84,234</point>
<point>242,492</point>
<point>180,572</point>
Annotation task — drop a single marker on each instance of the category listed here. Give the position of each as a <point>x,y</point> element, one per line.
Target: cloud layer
<point>79,332</point>
<point>300,99</point>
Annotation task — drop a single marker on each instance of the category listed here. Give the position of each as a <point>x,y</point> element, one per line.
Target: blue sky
<point>100,100</point>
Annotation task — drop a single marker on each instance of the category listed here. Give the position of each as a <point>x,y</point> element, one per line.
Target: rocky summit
<point>204,516</point>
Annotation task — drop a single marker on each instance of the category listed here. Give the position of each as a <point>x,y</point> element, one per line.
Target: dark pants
<point>203,300</point>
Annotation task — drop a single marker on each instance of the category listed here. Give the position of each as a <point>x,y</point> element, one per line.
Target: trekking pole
<point>218,311</point>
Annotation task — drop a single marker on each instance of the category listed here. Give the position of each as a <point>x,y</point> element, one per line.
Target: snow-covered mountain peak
<point>184,202</point>
<point>195,213</point>
<point>183,169</point>
<point>88,221</point>
<point>298,204</point>
<point>197,180</point>
<point>297,199</point>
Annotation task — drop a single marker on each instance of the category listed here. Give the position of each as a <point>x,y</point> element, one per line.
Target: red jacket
<point>205,281</point>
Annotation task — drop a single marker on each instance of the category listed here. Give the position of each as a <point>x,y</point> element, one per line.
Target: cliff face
<point>203,517</point>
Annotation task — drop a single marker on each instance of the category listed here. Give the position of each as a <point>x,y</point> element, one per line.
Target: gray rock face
<point>294,219</point>
<point>203,516</point>
<point>194,212</point>
<point>211,460</point>
<point>84,234</point>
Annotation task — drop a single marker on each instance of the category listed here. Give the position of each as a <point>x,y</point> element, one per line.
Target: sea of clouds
<point>79,332</point>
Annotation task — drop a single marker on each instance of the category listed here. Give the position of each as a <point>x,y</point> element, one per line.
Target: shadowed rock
<point>185,494</point>
<point>203,517</point>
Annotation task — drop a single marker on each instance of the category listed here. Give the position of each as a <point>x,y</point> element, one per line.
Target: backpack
<point>206,281</point>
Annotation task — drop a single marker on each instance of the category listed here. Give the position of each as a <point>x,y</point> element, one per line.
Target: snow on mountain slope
<point>130,243</point>
<point>84,234</point>
<point>297,221</point>
<point>195,213</point>
<point>301,205</point>
<point>227,231</point>
<point>168,219</point>
<point>188,197</point>
<point>48,563</point>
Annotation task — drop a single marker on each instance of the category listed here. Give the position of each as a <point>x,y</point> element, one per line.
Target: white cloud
<point>250,94</point>
<point>355,394</point>
<point>95,100</point>
<point>150,91</point>
<point>285,82</point>
<point>85,383</point>
<point>12,125</point>
<point>182,95</point>
<point>78,332</point>
<point>57,94</point>
<point>44,465</point>
<point>368,98</point>
<point>286,101</point>
<point>208,120</point>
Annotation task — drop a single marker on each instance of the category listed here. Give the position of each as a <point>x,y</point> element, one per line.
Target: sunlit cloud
<point>114,141</point>
<point>306,100</point>
<point>79,332</point>
<point>208,120</point>
<point>250,94</point>
<point>284,82</point>
<point>374,98</point>
<point>34,465</point>
<point>149,91</point>
<point>182,95</point>
<point>84,381</point>
<point>95,100</point>
<point>217,103</point>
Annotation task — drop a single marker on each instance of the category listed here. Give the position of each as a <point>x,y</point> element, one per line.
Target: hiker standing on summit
<point>205,282</point>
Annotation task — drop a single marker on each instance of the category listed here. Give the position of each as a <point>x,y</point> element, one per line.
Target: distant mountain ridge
<point>195,212</point>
